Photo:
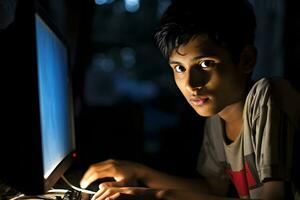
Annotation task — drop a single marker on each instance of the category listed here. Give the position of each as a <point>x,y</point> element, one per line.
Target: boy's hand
<point>124,172</point>
<point>125,193</point>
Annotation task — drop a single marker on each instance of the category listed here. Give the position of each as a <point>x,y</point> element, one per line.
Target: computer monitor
<point>55,101</point>
<point>40,142</point>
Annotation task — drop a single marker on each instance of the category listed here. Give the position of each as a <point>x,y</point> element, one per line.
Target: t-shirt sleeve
<point>273,134</point>
<point>211,160</point>
<point>277,142</point>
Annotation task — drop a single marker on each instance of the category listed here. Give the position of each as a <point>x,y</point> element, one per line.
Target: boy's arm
<point>164,186</point>
<point>158,180</point>
<point>177,188</point>
<point>126,174</point>
<point>272,190</point>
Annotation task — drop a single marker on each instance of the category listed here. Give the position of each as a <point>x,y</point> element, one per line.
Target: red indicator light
<point>74,155</point>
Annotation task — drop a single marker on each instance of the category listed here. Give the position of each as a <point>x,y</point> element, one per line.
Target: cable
<point>60,191</point>
<point>32,197</point>
<point>77,188</point>
<point>17,197</point>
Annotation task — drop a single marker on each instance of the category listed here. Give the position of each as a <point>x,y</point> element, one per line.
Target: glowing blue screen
<point>57,140</point>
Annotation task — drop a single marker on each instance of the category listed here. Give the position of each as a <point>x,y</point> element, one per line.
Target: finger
<point>114,196</point>
<point>112,184</point>
<point>91,170</point>
<point>108,192</point>
<point>98,194</point>
<point>86,181</point>
<point>94,172</point>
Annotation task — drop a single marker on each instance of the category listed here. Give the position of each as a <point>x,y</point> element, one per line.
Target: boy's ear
<point>248,59</point>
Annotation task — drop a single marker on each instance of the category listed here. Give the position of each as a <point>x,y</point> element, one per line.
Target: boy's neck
<point>232,116</point>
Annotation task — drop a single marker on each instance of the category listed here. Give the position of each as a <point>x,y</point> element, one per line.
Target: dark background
<point>126,103</point>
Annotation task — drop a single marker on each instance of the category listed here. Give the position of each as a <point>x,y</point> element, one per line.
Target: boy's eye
<point>179,68</point>
<point>206,63</point>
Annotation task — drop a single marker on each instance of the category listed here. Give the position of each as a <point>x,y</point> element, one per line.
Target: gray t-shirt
<point>264,147</point>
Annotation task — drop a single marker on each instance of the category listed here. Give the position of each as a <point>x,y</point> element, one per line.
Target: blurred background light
<point>132,5</point>
<point>101,2</point>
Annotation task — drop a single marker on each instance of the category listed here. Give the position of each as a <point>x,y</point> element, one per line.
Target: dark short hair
<point>229,23</point>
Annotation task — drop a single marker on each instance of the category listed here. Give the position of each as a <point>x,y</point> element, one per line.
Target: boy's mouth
<point>199,101</point>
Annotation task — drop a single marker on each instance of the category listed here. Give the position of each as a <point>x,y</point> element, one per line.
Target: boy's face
<point>207,77</point>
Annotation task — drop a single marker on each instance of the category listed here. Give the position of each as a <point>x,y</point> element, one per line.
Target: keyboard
<point>76,195</point>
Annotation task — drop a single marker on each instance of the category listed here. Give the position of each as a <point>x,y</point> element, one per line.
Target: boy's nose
<point>197,79</point>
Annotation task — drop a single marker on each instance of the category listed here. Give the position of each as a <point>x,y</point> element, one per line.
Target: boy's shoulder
<point>276,88</point>
<point>279,92</point>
